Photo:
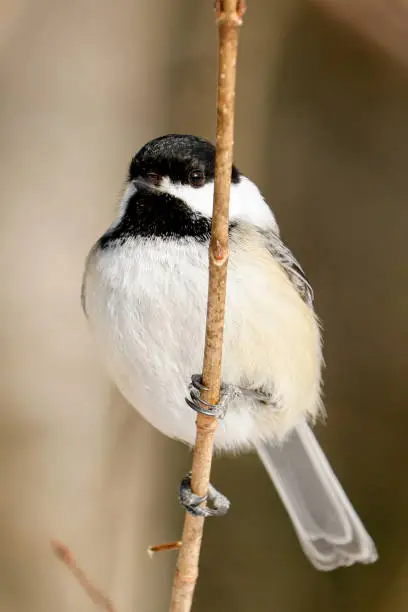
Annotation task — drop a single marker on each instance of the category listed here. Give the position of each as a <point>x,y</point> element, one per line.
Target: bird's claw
<point>197,403</point>
<point>192,502</point>
<point>196,382</point>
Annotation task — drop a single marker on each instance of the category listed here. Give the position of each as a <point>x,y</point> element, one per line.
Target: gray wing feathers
<point>329,529</point>
<point>289,263</point>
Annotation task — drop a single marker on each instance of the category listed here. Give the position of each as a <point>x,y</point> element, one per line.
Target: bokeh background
<point>322,127</point>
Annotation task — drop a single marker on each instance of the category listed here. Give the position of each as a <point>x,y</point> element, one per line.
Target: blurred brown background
<point>322,127</point>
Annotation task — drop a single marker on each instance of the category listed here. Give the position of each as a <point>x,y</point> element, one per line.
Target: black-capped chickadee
<point>145,295</point>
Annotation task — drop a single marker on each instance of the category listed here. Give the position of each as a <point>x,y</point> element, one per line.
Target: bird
<point>144,293</point>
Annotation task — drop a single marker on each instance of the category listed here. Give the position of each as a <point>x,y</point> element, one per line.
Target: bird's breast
<point>146,304</point>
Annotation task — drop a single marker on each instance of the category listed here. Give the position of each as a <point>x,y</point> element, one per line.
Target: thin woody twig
<point>229,18</point>
<point>162,547</point>
<point>96,595</point>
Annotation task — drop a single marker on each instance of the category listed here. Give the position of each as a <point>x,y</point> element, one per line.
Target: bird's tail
<point>329,529</point>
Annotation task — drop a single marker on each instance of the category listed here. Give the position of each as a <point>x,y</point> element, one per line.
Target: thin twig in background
<point>96,595</point>
<point>229,18</point>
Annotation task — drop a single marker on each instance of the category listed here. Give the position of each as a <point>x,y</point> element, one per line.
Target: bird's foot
<point>192,502</point>
<point>227,394</point>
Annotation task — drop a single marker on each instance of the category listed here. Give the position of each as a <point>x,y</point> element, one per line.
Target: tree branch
<point>229,18</point>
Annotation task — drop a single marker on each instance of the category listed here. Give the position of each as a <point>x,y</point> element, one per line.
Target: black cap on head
<point>176,156</point>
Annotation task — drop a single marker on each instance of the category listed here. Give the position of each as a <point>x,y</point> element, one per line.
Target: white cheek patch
<point>199,199</point>
<point>130,190</point>
<point>246,201</point>
<point>128,193</point>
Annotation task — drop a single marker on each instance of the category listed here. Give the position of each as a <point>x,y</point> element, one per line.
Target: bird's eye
<point>153,178</point>
<point>196,178</point>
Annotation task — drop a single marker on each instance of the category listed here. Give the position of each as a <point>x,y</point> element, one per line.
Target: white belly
<point>146,304</point>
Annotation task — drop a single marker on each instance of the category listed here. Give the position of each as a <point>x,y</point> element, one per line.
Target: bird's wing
<point>290,265</point>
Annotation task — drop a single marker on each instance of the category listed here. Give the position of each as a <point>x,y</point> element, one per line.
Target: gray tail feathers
<point>329,529</point>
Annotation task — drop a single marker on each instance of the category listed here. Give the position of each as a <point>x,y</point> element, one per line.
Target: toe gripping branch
<point>202,406</point>
<point>192,502</point>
